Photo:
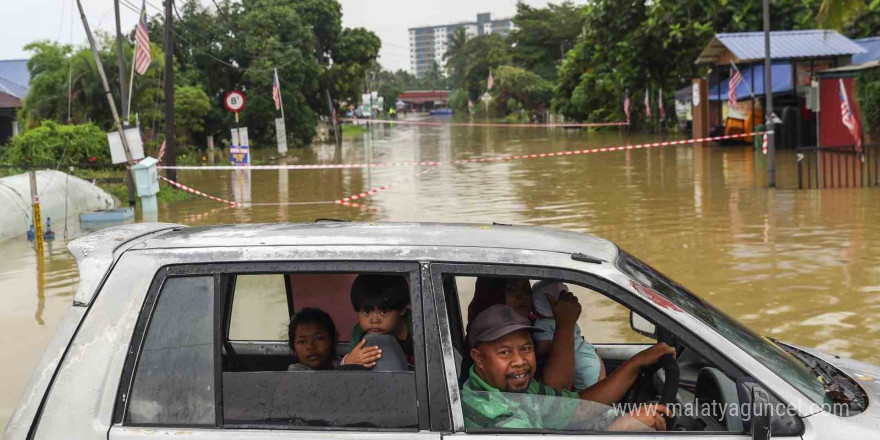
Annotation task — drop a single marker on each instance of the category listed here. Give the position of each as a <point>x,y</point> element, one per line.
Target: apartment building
<point>428,44</point>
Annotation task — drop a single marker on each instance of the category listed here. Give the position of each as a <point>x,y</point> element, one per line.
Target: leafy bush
<point>46,144</point>
<point>518,89</point>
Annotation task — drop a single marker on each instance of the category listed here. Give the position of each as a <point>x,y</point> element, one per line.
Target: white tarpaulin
<point>53,186</point>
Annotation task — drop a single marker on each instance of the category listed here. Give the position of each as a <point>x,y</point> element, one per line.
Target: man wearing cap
<point>501,392</point>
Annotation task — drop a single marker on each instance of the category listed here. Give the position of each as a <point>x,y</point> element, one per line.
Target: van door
<point>180,379</point>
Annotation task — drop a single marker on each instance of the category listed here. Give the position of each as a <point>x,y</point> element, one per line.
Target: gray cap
<point>496,321</point>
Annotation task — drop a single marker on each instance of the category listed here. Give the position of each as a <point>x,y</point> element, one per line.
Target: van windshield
<point>793,371</point>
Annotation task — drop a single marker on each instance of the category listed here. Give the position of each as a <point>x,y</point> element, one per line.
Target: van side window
<point>264,383</point>
<point>174,380</point>
<point>262,295</point>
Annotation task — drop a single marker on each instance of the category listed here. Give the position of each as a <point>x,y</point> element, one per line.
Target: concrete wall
<point>53,187</point>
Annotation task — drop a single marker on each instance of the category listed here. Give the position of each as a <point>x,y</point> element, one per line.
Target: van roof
<point>332,233</point>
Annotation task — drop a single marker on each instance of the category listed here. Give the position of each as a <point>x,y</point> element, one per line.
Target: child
<point>312,337</point>
<point>588,368</point>
<point>382,306</point>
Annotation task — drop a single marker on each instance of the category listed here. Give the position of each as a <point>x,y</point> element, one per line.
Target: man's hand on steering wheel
<point>653,415</point>
<point>650,356</point>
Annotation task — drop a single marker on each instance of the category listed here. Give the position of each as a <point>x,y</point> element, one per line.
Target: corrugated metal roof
<point>9,101</point>
<point>14,77</point>
<point>872,46</point>
<point>749,46</point>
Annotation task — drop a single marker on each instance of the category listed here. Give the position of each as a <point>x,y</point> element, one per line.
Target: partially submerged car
<point>179,331</point>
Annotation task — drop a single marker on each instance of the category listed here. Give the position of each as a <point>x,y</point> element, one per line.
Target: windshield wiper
<point>826,374</point>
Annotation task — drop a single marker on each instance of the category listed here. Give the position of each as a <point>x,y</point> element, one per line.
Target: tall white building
<point>428,44</point>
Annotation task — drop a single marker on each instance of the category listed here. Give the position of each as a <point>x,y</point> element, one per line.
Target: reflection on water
<point>796,265</point>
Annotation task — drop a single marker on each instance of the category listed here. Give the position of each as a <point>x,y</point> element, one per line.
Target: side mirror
<point>760,426</point>
<point>642,326</point>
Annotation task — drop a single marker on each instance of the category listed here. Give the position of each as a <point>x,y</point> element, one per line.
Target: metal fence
<point>841,167</point>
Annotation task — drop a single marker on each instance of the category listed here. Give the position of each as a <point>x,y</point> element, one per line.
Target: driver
<point>501,392</point>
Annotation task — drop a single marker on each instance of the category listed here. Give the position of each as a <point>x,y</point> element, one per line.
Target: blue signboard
<point>239,151</point>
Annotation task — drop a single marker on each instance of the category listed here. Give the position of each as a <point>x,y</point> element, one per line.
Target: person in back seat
<point>382,306</point>
<point>312,338</point>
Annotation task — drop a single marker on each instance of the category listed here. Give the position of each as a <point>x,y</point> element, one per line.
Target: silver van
<point>181,332</point>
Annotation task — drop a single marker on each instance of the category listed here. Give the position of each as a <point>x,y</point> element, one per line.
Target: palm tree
<point>834,13</point>
<point>456,43</point>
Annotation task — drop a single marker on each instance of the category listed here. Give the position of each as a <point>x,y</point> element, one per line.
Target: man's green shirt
<point>539,407</point>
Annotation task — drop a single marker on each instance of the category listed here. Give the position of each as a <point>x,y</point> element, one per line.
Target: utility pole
<point>768,112</point>
<point>319,51</point>
<point>106,84</point>
<point>120,61</point>
<point>170,141</point>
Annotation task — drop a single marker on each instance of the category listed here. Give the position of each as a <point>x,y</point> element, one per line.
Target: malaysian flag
<point>848,118</point>
<point>626,106</point>
<point>142,57</point>
<point>490,82</point>
<point>276,91</point>
<point>647,104</point>
<point>735,79</point>
<point>161,152</point>
<point>660,108</point>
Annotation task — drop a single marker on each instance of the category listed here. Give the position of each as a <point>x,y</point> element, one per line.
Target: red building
<point>424,100</point>
<point>832,132</point>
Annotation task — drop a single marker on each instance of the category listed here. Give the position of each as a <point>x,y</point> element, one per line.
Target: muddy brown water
<point>800,266</point>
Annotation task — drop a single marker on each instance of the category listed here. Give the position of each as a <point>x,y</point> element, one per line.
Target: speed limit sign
<point>234,101</point>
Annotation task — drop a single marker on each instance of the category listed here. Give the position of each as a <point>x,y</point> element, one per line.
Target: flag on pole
<point>161,152</point>
<point>848,118</point>
<point>660,108</point>
<point>276,91</point>
<point>647,104</point>
<point>490,82</point>
<point>142,56</point>
<point>735,79</point>
<point>626,106</point>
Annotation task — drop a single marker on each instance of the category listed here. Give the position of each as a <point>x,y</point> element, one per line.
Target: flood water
<point>800,266</point>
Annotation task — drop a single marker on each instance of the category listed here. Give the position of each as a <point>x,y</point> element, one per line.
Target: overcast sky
<point>29,20</point>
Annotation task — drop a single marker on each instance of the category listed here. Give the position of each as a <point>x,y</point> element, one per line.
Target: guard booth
<point>796,59</point>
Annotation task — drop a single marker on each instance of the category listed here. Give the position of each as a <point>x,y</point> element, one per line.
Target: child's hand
<point>366,356</point>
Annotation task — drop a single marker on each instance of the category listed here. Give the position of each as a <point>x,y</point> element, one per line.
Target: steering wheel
<point>670,385</point>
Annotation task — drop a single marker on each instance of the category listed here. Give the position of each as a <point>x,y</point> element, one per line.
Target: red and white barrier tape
<point>197,192</point>
<point>303,167</point>
<point>601,150</point>
<point>474,160</point>
<point>373,191</point>
<point>484,124</point>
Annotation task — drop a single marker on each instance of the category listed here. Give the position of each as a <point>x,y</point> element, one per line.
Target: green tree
<point>544,35</point>
<point>475,60</point>
<point>653,44</point>
<point>191,105</point>
<point>529,91</point>
<point>456,43</point>
<point>833,14</point>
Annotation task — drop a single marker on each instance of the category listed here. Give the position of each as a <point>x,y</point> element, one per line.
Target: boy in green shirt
<point>382,305</point>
